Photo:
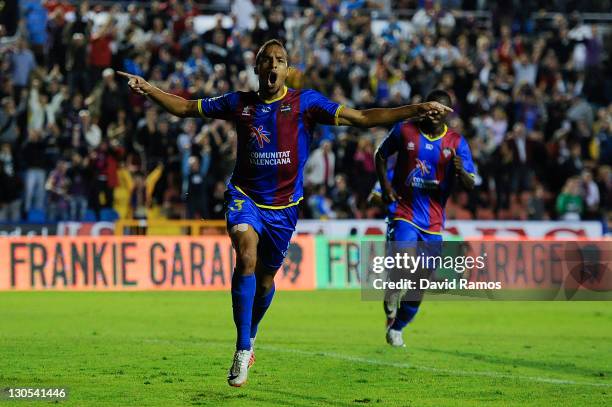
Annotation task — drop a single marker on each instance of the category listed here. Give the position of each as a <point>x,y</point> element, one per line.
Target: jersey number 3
<point>237,205</point>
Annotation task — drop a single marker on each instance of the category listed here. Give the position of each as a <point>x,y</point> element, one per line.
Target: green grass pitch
<point>314,348</point>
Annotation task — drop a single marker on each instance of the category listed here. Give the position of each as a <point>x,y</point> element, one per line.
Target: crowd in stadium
<point>532,97</point>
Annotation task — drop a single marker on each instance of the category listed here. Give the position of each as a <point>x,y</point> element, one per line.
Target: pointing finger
<point>445,109</point>
<point>127,75</point>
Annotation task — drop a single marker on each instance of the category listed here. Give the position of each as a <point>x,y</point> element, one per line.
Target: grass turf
<point>323,347</point>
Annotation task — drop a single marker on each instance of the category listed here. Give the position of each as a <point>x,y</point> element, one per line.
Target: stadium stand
<point>532,94</point>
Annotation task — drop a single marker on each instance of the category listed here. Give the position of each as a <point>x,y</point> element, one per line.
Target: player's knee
<point>246,261</point>
<point>264,286</point>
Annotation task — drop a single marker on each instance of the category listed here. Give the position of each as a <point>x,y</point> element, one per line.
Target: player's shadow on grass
<point>557,367</point>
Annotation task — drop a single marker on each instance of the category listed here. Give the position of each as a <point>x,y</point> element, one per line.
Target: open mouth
<point>272,78</point>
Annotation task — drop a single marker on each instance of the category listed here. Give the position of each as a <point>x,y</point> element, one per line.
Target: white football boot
<point>390,308</point>
<point>395,338</point>
<point>252,359</point>
<point>237,375</point>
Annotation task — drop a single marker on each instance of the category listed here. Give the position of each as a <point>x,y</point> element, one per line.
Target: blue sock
<point>260,306</point>
<point>243,293</point>
<point>405,314</point>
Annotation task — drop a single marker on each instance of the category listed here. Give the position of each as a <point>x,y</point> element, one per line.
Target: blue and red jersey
<point>424,173</point>
<point>273,140</point>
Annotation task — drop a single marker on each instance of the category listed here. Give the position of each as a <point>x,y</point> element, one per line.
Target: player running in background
<point>430,157</point>
<point>274,127</point>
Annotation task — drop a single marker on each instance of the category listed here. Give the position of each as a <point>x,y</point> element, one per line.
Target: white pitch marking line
<point>484,373</point>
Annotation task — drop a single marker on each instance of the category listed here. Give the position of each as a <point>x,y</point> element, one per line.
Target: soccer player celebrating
<point>274,127</point>
<point>430,157</point>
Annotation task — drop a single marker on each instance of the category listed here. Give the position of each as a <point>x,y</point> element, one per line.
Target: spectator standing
<point>9,130</point>
<point>591,195</point>
<point>343,201</point>
<point>107,99</point>
<point>36,24</point>
<point>570,204</point>
<point>87,131</point>
<point>57,193</point>
<point>100,56</point>
<point>24,63</point>
<point>34,162</point>
<point>138,197</point>
<point>364,169</point>
<point>104,166</point>
<point>76,61</point>
<point>11,187</point>
<point>79,176</point>
<point>197,191</point>
<point>320,166</point>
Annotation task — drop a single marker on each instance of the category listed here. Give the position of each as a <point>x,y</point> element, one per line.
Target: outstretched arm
<point>378,116</point>
<point>387,116</point>
<point>176,105</point>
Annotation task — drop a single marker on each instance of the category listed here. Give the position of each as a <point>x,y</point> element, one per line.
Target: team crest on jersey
<point>259,135</point>
<point>447,152</point>
<point>285,108</point>
<point>410,146</point>
<point>247,110</point>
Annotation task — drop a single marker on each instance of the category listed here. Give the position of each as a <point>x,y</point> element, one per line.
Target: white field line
<point>482,373</point>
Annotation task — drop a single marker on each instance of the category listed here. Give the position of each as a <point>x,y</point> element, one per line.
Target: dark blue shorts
<point>274,226</point>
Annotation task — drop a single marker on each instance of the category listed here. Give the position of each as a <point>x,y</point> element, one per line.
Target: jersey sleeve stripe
<point>200,107</point>
<point>337,115</point>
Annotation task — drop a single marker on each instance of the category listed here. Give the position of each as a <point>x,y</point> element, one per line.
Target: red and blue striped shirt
<point>424,173</point>
<point>273,140</point>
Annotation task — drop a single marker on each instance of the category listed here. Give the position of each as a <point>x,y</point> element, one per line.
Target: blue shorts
<point>402,235</point>
<point>274,226</point>
<point>401,231</point>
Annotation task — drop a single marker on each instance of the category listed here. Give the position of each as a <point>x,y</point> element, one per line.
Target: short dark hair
<point>267,44</point>
<point>440,96</point>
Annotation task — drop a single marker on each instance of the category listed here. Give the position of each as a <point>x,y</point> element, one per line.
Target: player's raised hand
<point>137,83</point>
<point>435,110</point>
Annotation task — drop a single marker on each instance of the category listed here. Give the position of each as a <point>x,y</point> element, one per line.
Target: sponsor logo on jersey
<point>270,157</point>
<point>422,166</point>
<point>417,178</point>
<point>259,135</point>
<point>429,146</point>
